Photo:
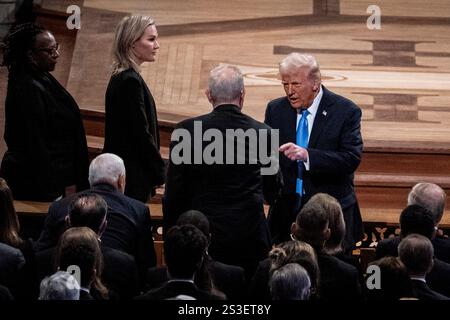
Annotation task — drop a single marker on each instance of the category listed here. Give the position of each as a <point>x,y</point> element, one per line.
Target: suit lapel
<point>322,116</point>
<point>291,122</point>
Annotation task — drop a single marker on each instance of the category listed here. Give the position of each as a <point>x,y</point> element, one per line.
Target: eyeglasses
<point>50,51</point>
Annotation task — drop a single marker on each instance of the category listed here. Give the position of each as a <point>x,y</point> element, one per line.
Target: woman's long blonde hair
<point>128,31</point>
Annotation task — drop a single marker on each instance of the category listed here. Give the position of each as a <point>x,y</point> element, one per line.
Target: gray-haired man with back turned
<point>231,189</point>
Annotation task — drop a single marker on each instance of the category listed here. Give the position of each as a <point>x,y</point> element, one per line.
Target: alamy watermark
<point>74,271</point>
<point>374,20</point>
<point>74,20</point>
<point>240,147</point>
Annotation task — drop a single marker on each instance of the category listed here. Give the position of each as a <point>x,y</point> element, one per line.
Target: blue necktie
<point>302,141</point>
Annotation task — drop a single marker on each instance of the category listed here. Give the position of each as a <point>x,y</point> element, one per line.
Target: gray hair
<point>128,31</point>
<point>226,84</point>
<point>431,197</point>
<point>59,286</point>
<point>106,168</point>
<point>295,60</point>
<point>290,282</point>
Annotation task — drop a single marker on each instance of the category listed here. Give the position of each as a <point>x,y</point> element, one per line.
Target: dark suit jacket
<point>441,247</point>
<point>227,278</point>
<point>5,294</point>
<point>47,148</point>
<point>175,288</point>
<point>131,132</point>
<point>334,148</point>
<point>338,279</point>
<point>230,195</point>
<point>129,226</point>
<point>119,270</point>
<point>421,291</point>
<point>438,278</point>
<point>12,264</point>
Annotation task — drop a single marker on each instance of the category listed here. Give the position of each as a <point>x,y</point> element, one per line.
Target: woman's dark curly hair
<point>19,40</point>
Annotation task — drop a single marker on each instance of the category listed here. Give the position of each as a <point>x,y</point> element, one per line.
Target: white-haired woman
<point>131,125</point>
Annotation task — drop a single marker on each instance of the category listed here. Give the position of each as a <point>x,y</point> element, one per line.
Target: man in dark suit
<point>418,220</point>
<point>129,226</point>
<point>184,250</point>
<point>228,187</point>
<point>433,197</point>
<point>227,278</point>
<point>323,154</point>
<point>119,272</point>
<point>416,252</point>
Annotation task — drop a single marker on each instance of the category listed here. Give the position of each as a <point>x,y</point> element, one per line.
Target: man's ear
<point>316,86</point>
<point>293,228</point>
<point>121,183</point>
<point>208,95</point>
<point>242,97</point>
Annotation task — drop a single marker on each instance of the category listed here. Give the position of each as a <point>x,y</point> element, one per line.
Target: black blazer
<point>131,132</point>
<point>172,289</point>
<point>230,195</point>
<point>338,279</point>
<point>227,278</point>
<point>441,247</point>
<point>12,264</point>
<point>421,291</point>
<point>44,133</point>
<point>129,226</point>
<point>335,147</point>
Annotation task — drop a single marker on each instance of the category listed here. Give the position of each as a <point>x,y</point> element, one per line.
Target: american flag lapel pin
<point>324,112</point>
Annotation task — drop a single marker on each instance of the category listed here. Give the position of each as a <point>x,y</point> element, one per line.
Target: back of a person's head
<point>225,84</point>
<point>79,247</point>
<point>59,286</point>
<point>336,221</point>
<point>416,252</point>
<point>88,210</point>
<point>312,225</point>
<point>184,249</point>
<point>106,168</point>
<point>197,219</point>
<point>290,282</point>
<point>417,219</point>
<point>9,222</point>
<point>395,282</point>
<point>299,252</point>
<point>430,196</point>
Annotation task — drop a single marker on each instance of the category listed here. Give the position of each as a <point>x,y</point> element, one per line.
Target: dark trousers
<point>281,216</point>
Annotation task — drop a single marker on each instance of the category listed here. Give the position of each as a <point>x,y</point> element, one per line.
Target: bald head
<point>225,86</point>
<point>430,196</point>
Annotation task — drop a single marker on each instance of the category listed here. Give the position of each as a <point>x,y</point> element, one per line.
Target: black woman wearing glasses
<point>47,153</point>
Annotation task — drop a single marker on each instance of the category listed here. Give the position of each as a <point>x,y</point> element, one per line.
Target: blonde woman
<point>131,124</point>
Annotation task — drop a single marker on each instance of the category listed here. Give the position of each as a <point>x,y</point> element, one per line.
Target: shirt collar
<point>419,279</point>
<point>315,105</point>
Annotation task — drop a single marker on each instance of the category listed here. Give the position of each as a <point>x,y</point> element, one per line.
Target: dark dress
<point>46,141</point>
<point>131,132</point>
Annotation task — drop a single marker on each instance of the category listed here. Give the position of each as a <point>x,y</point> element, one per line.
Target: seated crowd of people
<point>97,245</point>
